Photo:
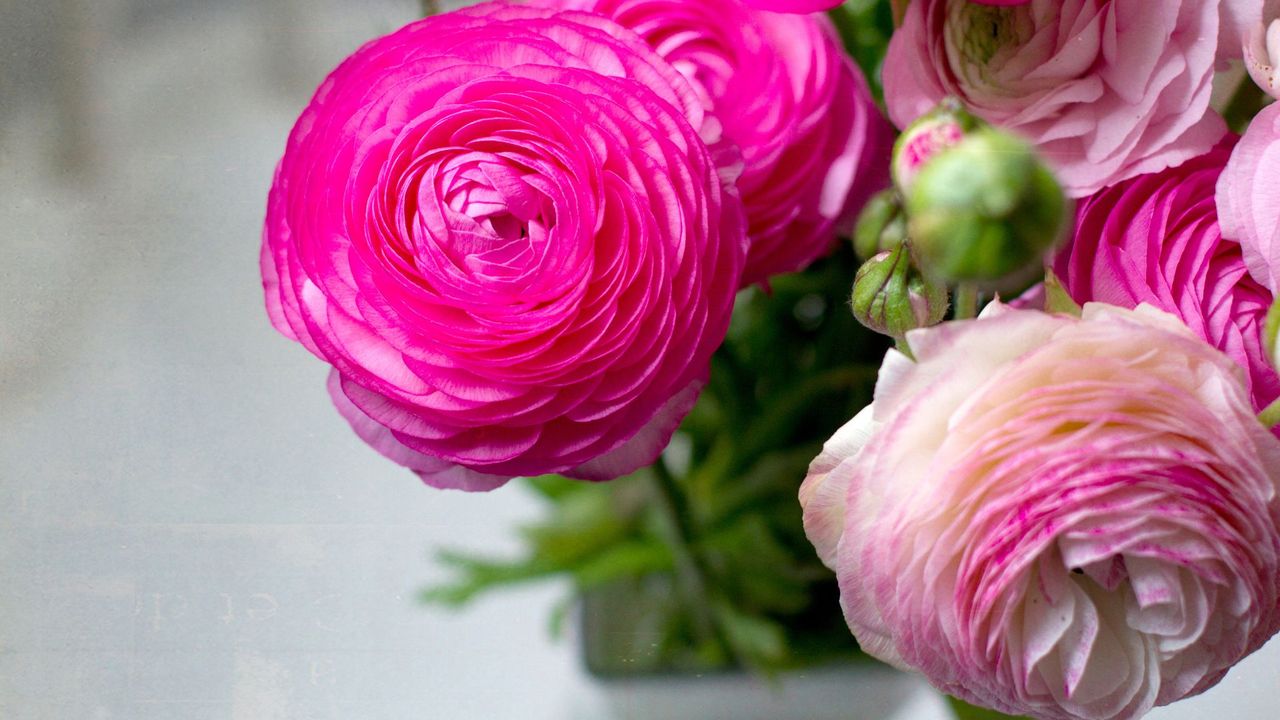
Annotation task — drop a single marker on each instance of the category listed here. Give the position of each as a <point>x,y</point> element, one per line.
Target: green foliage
<point>865,27</point>
<point>965,711</point>
<point>701,561</point>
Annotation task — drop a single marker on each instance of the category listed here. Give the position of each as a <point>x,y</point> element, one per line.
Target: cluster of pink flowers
<point>516,232</point>
<point>1078,515</point>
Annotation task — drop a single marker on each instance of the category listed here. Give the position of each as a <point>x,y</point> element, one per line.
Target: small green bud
<point>985,211</point>
<point>941,128</point>
<point>891,297</point>
<point>881,225</point>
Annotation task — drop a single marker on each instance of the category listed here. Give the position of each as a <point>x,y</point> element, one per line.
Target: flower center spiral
<point>495,223</point>
<point>982,30</point>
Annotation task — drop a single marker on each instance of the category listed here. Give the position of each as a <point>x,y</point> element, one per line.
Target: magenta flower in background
<point>1107,89</point>
<point>1056,517</point>
<point>792,6</point>
<point>502,228</point>
<point>1248,197</point>
<point>814,146</point>
<point>1155,239</point>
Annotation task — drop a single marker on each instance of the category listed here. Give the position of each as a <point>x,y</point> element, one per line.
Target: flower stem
<point>691,576</point>
<point>966,301</point>
<point>430,7</point>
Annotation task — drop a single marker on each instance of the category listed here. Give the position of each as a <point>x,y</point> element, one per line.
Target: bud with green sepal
<point>1270,332</point>
<point>985,211</point>
<point>881,225</point>
<point>1270,415</point>
<point>941,128</point>
<point>892,297</point>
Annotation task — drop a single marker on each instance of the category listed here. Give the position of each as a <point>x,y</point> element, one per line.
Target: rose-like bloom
<point>1155,239</point>
<point>1056,517</point>
<point>1248,197</point>
<point>814,146</point>
<point>1107,89</point>
<point>792,6</point>
<point>503,230</point>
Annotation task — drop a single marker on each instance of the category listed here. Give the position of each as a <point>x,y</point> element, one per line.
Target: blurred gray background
<point>187,529</point>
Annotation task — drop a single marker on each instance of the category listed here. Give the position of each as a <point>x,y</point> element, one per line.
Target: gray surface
<point>187,529</point>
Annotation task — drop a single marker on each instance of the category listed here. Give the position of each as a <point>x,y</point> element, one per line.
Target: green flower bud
<point>985,211</point>
<point>891,297</point>
<point>881,225</point>
<point>939,129</point>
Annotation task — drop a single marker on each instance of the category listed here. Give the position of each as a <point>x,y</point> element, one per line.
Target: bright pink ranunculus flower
<point>1248,197</point>
<point>792,6</point>
<point>1107,89</point>
<point>814,146</point>
<point>502,228</point>
<point>1063,518</point>
<point>1155,239</point>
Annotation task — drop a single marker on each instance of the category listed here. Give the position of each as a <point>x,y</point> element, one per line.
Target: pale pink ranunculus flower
<point>503,230</point>
<point>814,146</point>
<point>1106,89</point>
<point>1059,517</point>
<point>1248,197</point>
<point>1155,239</point>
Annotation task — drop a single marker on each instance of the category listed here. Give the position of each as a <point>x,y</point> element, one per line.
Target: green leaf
<point>571,538</point>
<point>771,483</point>
<point>631,559</point>
<point>554,487</point>
<point>756,640</point>
<point>1056,297</point>
<point>776,422</point>
<point>479,576</point>
<point>965,711</point>
<point>560,614</point>
<point>865,27</point>
<point>759,573</point>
